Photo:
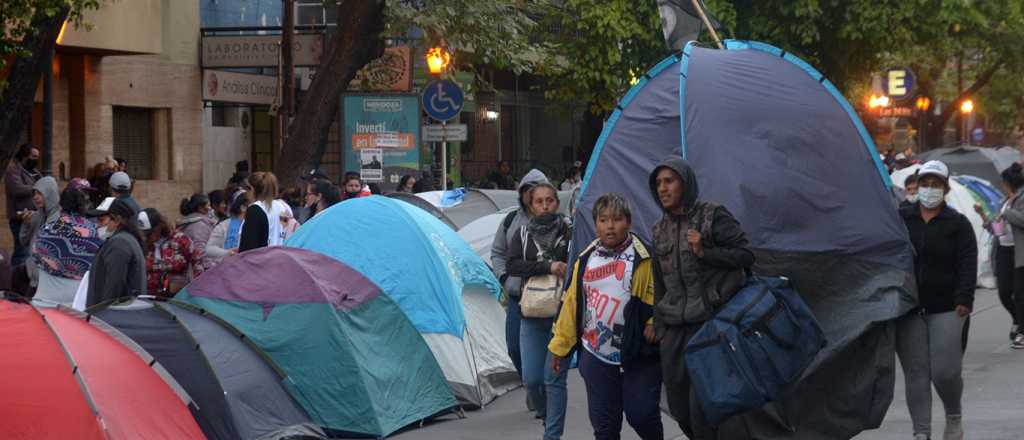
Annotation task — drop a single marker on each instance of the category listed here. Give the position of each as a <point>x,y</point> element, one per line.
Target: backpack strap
<point>509,219</point>
<point>707,221</point>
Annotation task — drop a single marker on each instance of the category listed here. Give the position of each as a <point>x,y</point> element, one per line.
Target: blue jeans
<point>20,253</point>
<point>546,388</point>
<point>512,318</point>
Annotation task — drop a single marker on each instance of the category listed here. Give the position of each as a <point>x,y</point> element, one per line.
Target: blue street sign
<point>899,83</point>
<point>978,135</point>
<point>442,100</point>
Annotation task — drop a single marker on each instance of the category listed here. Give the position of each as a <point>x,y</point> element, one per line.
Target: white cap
<point>120,181</point>
<point>102,208</point>
<point>144,222</point>
<point>935,168</point>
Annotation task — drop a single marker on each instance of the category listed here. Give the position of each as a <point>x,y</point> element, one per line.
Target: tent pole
<point>704,17</point>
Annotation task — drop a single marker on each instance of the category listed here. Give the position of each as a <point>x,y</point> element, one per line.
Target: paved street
<point>993,398</point>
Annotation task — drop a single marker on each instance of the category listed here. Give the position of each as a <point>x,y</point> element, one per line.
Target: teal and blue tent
<point>774,142</point>
<point>441,284</point>
<point>353,360</point>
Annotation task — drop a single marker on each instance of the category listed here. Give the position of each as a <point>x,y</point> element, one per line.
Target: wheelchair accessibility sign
<point>442,100</point>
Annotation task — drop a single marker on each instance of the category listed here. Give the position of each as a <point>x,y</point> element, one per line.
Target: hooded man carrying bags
<point>701,259</point>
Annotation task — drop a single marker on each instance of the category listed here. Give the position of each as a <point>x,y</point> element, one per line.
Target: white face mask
<point>912,198</point>
<point>103,232</point>
<point>931,197</point>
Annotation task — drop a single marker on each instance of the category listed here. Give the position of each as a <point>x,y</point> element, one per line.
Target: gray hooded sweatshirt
<point>503,237</point>
<point>683,281</point>
<point>46,186</point>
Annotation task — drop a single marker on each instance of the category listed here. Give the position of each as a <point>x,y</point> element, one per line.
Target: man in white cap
<point>121,185</point>
<point>929,338</point>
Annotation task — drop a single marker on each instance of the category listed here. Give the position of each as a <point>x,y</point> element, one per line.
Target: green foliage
<point>986,36</point>
<point>845,39</point>
<point>492,32</point>
<point>597,47</point>
<point>16,18</point>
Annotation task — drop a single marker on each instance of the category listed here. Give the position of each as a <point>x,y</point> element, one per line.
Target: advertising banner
<point>382,136</point>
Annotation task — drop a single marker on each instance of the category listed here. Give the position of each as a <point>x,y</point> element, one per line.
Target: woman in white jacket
<point>225,236</point>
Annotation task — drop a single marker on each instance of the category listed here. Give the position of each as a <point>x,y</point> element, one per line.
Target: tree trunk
<point>936,129</point>
<point>19,96</point>
<point>355,44</point>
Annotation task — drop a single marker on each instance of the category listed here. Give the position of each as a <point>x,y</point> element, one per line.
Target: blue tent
<point>441,284</point>
<point>776,144</point>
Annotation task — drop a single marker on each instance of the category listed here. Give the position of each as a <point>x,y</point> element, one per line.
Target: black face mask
<point>30,164</point>
<point>351,195</point>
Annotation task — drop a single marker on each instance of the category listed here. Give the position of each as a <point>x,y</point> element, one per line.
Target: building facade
<point>126,88</point>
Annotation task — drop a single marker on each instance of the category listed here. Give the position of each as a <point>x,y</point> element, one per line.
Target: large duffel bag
<point>756,346</point>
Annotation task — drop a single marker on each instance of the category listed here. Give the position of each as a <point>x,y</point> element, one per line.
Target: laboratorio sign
<point>242,49</point>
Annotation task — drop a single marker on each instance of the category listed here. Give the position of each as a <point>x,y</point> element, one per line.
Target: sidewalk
<point>994,398</point>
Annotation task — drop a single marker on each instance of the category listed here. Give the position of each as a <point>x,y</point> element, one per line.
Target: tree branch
<point>19,95</point>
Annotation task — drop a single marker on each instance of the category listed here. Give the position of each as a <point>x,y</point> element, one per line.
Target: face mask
<point>31,164</point>
<point>103,232</point>
<point>912,198</point>
<point>931,197</point>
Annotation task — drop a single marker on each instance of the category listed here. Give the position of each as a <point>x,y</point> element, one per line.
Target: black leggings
<point>1005,275</point>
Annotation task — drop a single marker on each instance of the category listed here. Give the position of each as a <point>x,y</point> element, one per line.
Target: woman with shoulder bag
<point>538,254</point>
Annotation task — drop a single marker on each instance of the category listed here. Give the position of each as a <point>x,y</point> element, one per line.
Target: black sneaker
<point>1018,342</point>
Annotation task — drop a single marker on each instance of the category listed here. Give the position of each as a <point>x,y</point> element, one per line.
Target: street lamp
<point>923,103</point>
<point>967,106</point>
<point>878,101</point>
<point>438,60</point>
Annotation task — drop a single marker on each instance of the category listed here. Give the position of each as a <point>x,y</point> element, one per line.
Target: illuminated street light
<point>967,106</point>
<point>438,60</point>
<point>878,101</point>
<point>923,103</point>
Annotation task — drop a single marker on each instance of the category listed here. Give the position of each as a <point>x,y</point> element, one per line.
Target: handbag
<point>542,294</point>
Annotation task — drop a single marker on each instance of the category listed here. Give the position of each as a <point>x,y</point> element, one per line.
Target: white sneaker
<point>922,437</point>
<point>1018,342</point>
<point>954,428</point>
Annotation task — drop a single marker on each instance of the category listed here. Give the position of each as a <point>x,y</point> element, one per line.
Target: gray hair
<point>614,204</point>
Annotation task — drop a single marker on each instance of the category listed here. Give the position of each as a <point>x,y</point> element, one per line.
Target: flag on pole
<point>681,22</point>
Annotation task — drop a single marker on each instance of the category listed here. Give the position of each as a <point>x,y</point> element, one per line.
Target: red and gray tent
<point>66,376</point>
<point>238,389</point>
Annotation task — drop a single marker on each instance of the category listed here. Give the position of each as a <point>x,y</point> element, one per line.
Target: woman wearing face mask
<point>353,187</point>
<point>197,224</point>
<point>320,195</point>
<point>910,185</point>
<point>64,249</point>
<point>119,269</point>
<point>929,338</point>
<point>541,248</point>
<point>224,238</point>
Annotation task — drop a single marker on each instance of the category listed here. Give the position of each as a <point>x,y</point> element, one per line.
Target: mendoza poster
<point>382,137</point>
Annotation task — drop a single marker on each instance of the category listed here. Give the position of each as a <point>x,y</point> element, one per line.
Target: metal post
<point>47,153</point>
<point>444,156</point>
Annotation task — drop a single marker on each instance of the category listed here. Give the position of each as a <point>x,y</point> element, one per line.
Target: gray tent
<point>985,163</point>
<point>238,390</point>
<point>475,204</point>
<point>776,144</point>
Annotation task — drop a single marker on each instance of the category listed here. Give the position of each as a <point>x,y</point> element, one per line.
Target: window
<point>133,140</point>
<point>223,116</point>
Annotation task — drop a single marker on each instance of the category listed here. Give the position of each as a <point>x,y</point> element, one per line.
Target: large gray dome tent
<point>774,142</point>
